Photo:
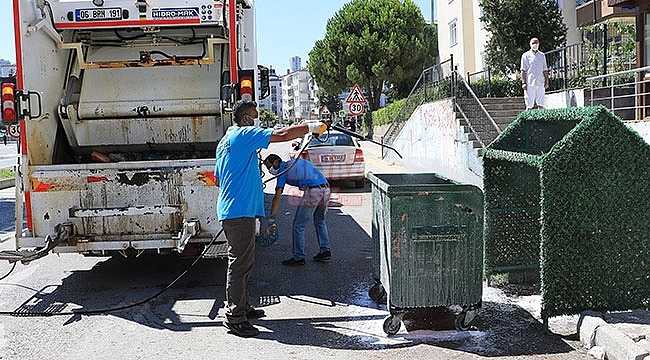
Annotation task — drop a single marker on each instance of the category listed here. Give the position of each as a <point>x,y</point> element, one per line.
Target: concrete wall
<point>433,141</point>
<point>642,127</point>
<point>564,99</point>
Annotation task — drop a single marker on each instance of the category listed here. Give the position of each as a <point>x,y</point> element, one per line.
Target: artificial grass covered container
<point>512,188</point>
<point>595,191</point>
<point>568,190</point>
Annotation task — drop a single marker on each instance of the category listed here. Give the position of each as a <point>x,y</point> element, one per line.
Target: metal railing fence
<point>625,93</point>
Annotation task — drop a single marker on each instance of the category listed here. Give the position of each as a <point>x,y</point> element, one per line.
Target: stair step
<point>507,100</point>
<point>495,108</point>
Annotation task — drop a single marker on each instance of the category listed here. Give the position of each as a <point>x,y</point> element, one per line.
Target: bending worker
<point>316,194</point>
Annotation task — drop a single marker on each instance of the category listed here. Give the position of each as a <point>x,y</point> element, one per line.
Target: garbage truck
<point>118,106</point>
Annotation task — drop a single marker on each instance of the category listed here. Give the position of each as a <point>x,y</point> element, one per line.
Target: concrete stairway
<point>502,110</point>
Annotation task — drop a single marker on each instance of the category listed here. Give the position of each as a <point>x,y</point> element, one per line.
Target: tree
<point>512,23</point>
<point>373,43</point>
<point>331,101</point>
<point>267,116</point>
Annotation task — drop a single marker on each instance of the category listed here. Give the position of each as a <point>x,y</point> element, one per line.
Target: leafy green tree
<point>267,116</point>
<point>373,43</point>
<point>331,101</point>
<point>512,23</point>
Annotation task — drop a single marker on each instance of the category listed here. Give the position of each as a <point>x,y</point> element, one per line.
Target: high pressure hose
<point>143,301</point>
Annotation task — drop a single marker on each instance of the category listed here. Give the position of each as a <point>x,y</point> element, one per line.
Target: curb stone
<point>7,183</point>
<point>594,331</point>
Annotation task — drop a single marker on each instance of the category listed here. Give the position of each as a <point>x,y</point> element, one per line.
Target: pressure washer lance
<point>340,128</point>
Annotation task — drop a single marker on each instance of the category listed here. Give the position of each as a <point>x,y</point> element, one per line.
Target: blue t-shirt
<point>303,174</point>
<point>238,173</point>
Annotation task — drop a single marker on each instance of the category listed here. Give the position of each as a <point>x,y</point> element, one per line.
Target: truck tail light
<point>8,102</point>
<point>246,85</point>
<point>358,155</point>
<point>246,89</point>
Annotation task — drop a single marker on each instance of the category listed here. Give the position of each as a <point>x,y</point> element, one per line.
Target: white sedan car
<point>338,157</point>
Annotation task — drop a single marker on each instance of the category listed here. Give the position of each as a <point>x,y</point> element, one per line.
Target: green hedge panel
<point>569,189</point>
<point>595,251</point>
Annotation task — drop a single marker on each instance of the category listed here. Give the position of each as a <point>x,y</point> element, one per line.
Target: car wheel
<point>359,183</point>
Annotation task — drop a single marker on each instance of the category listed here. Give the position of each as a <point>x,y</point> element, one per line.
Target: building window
<point>453,32</point>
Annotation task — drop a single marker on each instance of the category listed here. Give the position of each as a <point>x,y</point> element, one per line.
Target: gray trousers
<point>240,233</point>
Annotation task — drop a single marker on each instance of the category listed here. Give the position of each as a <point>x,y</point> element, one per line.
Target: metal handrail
<point>615,96</point>
<point>483,119</point>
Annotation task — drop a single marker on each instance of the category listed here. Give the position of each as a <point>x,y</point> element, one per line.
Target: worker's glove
<point>269,235</point>
<point>317,128</point>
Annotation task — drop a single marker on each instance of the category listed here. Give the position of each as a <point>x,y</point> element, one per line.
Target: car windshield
<point>333,140</point>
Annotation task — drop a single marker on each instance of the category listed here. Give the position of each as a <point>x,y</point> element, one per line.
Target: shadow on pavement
<point>318,304</point>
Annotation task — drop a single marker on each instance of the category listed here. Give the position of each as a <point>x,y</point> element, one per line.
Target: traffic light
<point>8,102</point>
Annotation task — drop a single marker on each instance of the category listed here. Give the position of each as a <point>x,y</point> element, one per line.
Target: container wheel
<point>392,324</point>
<point>377,293</point>
<point>464,319</point>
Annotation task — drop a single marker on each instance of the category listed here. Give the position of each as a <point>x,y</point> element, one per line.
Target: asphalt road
<point>318,311</point>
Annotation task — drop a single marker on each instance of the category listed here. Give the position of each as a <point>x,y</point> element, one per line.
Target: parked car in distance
<point>278,126</point>
<point>338,157</point>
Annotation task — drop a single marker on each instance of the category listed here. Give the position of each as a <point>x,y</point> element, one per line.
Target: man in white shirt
<point>534,75</point>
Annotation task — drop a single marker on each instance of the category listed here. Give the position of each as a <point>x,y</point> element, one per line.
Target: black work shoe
<point>294,262</point>
<point>243,329</point>
<point>323,257</point>
<point>255,313</point>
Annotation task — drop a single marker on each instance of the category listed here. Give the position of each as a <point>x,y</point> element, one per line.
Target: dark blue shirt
<point>302,175</point>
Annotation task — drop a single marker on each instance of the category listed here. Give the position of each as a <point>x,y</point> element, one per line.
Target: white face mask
<point>273,170</point>
<point>534,47</point>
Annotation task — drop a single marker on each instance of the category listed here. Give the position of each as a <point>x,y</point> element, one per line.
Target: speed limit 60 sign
<point>356,108</point>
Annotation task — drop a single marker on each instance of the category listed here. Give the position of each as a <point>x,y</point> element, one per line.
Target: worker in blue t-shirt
<point>241,200</point>
<point>316,194</point>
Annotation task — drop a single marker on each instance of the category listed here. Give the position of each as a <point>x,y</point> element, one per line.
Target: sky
<point>285,28</point>
<point>288,28</point>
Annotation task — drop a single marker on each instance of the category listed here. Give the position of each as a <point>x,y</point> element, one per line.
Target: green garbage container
<point>427,234</point>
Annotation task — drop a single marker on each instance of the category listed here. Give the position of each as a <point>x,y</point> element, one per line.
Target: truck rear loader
<point>119,106</point>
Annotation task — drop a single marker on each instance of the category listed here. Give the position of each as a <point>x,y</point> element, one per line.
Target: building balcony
<point>586,14</point>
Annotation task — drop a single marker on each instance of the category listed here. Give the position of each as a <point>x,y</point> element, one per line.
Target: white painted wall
<point>564,99</point>
<point>642,127</point>
<point>433,141</point>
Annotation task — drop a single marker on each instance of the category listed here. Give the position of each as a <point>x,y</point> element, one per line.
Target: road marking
<point>373,157</point>
<point>384,165</point>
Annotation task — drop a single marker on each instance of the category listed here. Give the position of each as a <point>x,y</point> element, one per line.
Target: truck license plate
<point>98,14</point>
<point>332,158</point>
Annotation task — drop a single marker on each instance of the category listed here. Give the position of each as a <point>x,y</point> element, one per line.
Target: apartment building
<point>7,68</point>
<point>299,96</point>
